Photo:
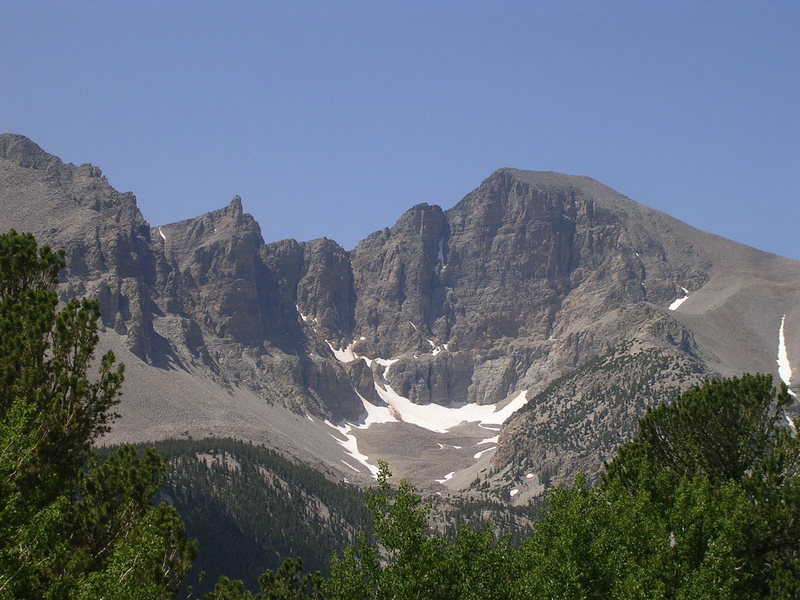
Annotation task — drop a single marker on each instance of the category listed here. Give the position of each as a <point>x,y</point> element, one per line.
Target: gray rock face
<point>515,265</point>
<point>397,280</point>
<point>324,291</point>
<point>441,379</point>
<point>211,271</point>
<point>238,298</point>
<point>542,282</point>
<point>105,237</point>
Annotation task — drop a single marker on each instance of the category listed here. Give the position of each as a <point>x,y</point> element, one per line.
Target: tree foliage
<point>723,430</point>
<point>249,508</point>
<point>406,560</point>
<point>703,503</point>
<point>70,527</point>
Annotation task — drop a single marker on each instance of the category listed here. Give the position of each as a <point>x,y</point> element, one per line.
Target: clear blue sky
<point>332,118</point>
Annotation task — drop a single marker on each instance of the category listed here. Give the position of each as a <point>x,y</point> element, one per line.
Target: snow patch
<point>528,476</point>
<point>306,318</point>
<point>436,349</point>
<point>350,445</point>
<point>161,233</point>
<point>502,415</point>
<point>791,423</point>
<point>446,477</point>
<point>351,466</point>
<point>784,368</point>
<point>372,414</point>
<point>343,355</point>
<point>679,301</point>
<point>491,440</point>
<point>440,254</point>
<point>440,419</point>
<point>482,452</point>
<point>443,446</point>
<point>513,492</point>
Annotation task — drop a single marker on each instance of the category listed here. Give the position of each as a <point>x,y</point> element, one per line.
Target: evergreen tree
<point>704,503</point>
<point>407,561</point>
<point>722,430</point>
<point>67,532</point>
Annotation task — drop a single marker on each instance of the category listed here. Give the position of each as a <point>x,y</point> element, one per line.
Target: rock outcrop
<point>104,235</point>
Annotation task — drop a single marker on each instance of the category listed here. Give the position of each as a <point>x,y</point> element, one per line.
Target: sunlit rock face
<point>538,287</point>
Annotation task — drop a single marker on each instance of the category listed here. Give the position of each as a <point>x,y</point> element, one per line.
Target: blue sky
<point>333,118</point>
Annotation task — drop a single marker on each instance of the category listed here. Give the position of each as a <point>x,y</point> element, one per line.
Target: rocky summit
<point>502,345</point>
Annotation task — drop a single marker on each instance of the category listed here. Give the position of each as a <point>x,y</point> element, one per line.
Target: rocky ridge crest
<point>522,285</point>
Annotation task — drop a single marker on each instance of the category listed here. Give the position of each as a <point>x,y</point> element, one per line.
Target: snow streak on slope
<point>372,414</point>
<point>440,254</point>
<point>350,446</point>
<point>446,477</point>
<point>345,355</point>
<point>679,301</point>
<point>784,368</point>
<point>482,452</point>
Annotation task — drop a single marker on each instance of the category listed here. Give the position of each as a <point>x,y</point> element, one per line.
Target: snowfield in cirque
<point>433,417</point>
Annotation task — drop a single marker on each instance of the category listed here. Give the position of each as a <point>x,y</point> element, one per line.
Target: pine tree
<point>67,532</point>
<point>703,503</point>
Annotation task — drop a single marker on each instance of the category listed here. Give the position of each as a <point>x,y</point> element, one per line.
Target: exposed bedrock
<point>536,281</point>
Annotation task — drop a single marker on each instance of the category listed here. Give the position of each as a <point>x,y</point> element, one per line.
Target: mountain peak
<point>544,178</point>
<point>236,204</point>
<point>24,152</point>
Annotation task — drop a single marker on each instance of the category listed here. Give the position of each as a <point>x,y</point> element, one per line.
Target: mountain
<point>498,346</point>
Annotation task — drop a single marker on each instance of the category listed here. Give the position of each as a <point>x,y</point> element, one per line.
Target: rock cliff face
<point>536,285</point>
<point>515,276</point>
<point>105,237</point>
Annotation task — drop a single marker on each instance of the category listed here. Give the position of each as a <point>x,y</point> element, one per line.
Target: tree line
<point>704,502</point>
